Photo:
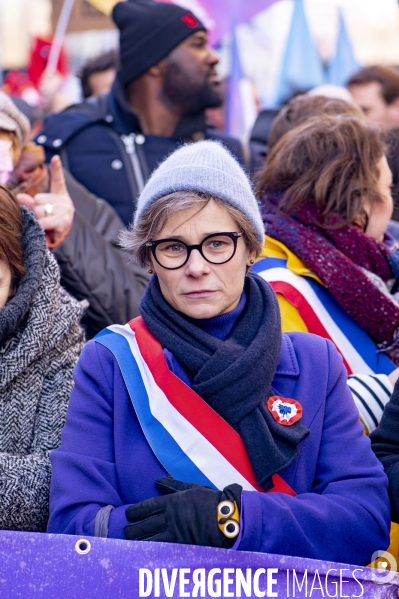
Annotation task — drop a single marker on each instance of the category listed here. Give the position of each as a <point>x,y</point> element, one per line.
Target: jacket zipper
<point>130,146</point>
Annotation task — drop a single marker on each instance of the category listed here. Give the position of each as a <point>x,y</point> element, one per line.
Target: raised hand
<point>54,210</point>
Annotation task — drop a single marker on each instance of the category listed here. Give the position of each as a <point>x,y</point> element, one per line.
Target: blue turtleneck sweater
<point>219,326</point>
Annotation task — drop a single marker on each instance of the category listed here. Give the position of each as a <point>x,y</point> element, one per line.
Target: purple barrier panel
<point>69,567</point>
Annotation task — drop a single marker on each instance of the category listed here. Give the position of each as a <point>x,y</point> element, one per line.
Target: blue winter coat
<point>92,139</point>
<point>341,511</point>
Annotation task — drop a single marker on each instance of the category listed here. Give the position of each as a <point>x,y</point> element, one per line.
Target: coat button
<point>57,143</point>
<point>42,139</point>
<point>140,139</point>
<point>117,164</point>
<point>109,118</point>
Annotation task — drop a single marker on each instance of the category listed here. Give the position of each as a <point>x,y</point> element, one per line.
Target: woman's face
<point>5,283</point>
<point>200,289</point>
<point>380,214</point>
<point>14,149</point>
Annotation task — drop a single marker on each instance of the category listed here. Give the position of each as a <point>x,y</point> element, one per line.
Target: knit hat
<point>149,31</point>
<point>12,119</point>
<point>207,167</point>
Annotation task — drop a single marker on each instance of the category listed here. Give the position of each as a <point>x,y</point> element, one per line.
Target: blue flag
<point>302,68</point>
<point>344,64</point>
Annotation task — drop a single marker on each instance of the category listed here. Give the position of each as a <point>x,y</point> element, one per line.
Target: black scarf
<point>234,376</point>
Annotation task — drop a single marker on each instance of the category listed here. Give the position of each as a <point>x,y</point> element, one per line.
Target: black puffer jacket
<point>101,144</point>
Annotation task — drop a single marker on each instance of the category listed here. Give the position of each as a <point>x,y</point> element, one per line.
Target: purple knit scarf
<point>336,257</point>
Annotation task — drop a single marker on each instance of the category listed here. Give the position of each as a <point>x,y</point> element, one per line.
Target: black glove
<point>188,514</point>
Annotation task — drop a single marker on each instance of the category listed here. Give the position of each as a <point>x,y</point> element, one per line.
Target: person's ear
<point>158,69</point>
<point>251,258</point>
<point>151,268</point>
<point>361,220</point>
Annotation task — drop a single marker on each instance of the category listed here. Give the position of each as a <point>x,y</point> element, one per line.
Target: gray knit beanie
<point>207,167</point>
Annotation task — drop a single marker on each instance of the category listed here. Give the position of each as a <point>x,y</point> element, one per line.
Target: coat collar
<point>288,363</point>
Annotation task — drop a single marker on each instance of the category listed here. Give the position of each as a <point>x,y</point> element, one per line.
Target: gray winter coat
<point>93,266</point>
<point>40,342</point>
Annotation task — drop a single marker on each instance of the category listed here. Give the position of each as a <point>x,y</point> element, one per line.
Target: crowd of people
<point>239,304</point>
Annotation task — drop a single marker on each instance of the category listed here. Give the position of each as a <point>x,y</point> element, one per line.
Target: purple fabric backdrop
<point>216,14</point>
<point>50,567</point>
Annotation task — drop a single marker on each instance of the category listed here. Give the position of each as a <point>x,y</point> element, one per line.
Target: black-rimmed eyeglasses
<point>217,248</point>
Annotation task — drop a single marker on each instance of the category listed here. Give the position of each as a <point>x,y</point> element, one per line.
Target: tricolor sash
<point>191,441</point>
<point>322,315</point>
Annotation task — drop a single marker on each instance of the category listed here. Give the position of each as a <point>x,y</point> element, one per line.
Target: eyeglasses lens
<point>216,249</point>
<point>171,254</point>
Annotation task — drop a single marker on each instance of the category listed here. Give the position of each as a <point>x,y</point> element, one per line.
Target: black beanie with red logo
<point>149,31</point>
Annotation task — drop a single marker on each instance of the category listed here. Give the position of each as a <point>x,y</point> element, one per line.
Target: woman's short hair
<point>152,220</point>
<point>301,108</point>
<point>11,246</point>
<point>332,161</point>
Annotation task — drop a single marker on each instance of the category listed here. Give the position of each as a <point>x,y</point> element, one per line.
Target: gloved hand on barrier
<point>188,514</point>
